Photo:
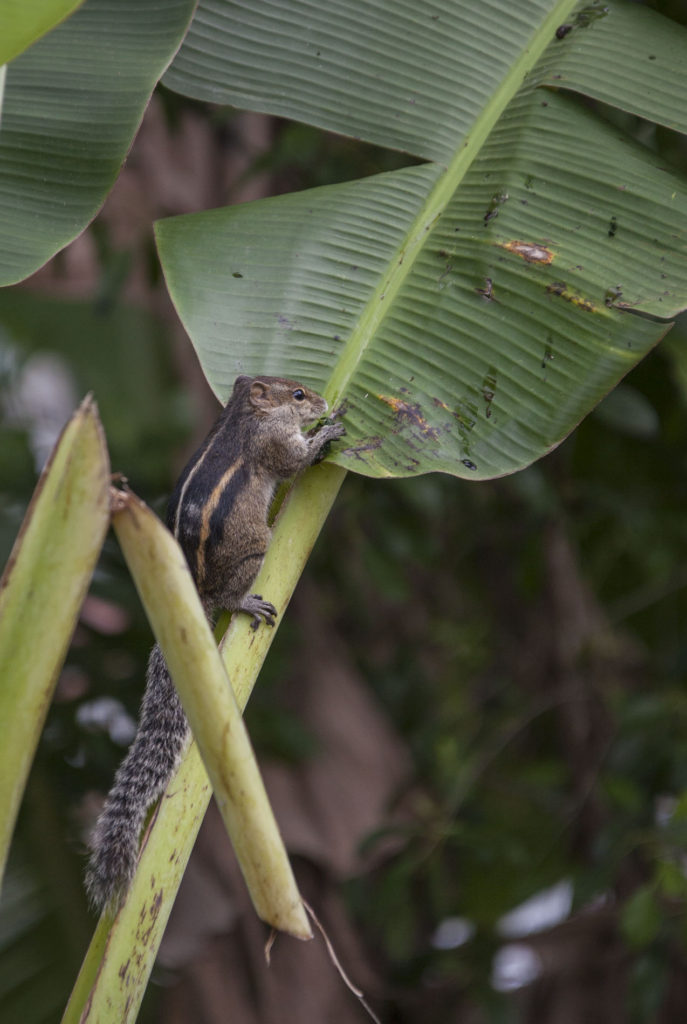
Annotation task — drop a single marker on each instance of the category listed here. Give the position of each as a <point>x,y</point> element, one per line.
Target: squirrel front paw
<point>331,432</point>
<point>321,441</point>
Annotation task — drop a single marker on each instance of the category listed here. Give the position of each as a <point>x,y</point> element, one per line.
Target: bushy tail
<point>140,779</point>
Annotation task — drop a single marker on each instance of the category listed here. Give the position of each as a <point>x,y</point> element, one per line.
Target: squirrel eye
<point>299,394</point>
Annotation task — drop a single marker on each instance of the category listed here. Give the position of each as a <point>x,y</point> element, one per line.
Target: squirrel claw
<point>254,605</point>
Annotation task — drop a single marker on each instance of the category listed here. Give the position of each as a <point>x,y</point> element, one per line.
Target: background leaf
<point>386,72</point>
<point>641,917</point>
<point>97,345</point>
<point>72,104</point>
<point>24,21</point>
<point>626,55</point>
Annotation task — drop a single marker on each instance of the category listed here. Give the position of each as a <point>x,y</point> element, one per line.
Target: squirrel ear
<point>258,394</point>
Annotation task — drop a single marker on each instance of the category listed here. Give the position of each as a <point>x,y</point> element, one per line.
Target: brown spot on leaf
<point>488,291</point>
<point>156,905</point>
<point>489,390</point>
<point>497,200</point>
<point>410,414</point>
<point>367,444</point>
<point>531,252</point>
<point>613,296</point>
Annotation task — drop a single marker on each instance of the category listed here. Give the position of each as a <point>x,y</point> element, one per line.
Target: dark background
<point>477,696</point>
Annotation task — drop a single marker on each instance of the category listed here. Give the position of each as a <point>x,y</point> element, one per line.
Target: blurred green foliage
<point>92,346</point>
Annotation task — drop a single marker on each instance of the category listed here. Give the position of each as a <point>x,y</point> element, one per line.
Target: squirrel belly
<point>218,512</point>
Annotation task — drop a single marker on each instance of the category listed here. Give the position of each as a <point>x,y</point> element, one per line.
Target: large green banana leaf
<point>470,311</point>
<point>72,104</point>
<point>412,76</point>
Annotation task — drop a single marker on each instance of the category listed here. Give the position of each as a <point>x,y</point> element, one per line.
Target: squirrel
<point>218,513</point>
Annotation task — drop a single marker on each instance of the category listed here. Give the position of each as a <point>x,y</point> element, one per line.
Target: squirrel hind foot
<point>253,604</point>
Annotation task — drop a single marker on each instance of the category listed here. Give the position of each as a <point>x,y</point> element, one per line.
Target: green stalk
<point>41,592</point>
<point>171,601</point>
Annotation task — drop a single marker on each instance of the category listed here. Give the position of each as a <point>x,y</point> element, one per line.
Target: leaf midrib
<point>402,261</point>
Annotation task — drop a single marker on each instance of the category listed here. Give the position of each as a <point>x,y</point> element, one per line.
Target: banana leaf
<point>470,311</point>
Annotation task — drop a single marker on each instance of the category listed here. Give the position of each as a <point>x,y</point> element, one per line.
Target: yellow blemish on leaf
<point>561,289</point>
<point>390,400</point>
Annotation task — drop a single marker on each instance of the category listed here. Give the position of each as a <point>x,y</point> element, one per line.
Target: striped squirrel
<point>218,513</point>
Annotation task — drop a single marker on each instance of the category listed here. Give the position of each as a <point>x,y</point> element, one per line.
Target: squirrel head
<point>280,398</point>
